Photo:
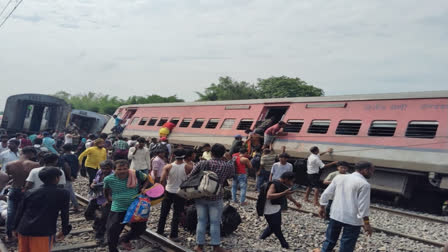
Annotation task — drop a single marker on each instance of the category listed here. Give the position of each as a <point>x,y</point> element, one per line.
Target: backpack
<point>261,200</point>
<point>160,147</point>
<point>191,219</point>
<point>230,220</point>
<point>299,169</point>
<point>200,184</point>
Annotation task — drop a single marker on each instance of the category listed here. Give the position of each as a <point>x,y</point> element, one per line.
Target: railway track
<point>376,229</point>
<point>392,211</point>
<point>151,237</point>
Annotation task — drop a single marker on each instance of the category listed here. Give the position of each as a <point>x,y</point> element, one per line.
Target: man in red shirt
<point>241,164</point>
<point>272,132</point>
<point>166,129</point>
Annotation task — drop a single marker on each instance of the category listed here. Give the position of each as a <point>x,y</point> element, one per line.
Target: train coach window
<point>198,123</point>
<point>382,128</point>
<point>293,126</point>
<point>422,129</point>
<point>348,127</point>
<point>175,120</point>
<point>143,121</point>
<point>245,124</point>
<point>135,120</point>
<point>319,126</point>
<point>153,121</point>
<point>228,123</point>
<point>185,122</point>
<point>212,123</point>
<point>162,121</point>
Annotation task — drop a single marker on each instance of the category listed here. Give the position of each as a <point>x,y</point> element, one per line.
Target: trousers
<point>275,226</point>
<point>178,206</point>
<point>348,238</point>
<point>114,228</point>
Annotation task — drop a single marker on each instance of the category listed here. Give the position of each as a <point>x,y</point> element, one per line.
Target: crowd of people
<point>38,172</point>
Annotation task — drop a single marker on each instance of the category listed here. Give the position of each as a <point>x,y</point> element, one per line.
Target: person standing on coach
<point>172,176</point>
<point>350,209</point>
<point>95,155</point>
<point>272,132</point>
<point>209,209</point>
<point>140,157</point>
<point>314,164</point>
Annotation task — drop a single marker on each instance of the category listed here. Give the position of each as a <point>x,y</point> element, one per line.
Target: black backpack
<point>261,200</point>
<point>299,169</point>
<point>161,147</point>
<point>191,219</point>
<point>231,219</point>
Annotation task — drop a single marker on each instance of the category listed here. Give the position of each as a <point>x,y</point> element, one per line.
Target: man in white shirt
<point>314,164</point>
<point>11,154</point>
<point>3,143</point>
<point>139,156</point>
<point>350,209</point>
<point>280,167</point>
<point>33,181</point>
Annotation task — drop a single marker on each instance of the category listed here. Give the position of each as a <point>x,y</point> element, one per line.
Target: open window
<point>422,129</point>
<point>348,127</point>
<point>162,121</point>
<point>212,123</point>
<point>198,123</point>
<point>135,120</point>
<point>153,121</point>
<point>276,113</point>
<point>294,126</point>
<point>319,126</point>
<point>185,123</point>
<point>175,120</point>
<point>143,121</point>
<point>228,123</point>
<point>245,124</point>
<point>383,128</point>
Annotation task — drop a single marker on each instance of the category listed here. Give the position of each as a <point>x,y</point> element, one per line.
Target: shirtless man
<point>18,172</point>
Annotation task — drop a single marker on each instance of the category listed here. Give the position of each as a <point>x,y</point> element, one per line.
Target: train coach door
<point>276,113</point>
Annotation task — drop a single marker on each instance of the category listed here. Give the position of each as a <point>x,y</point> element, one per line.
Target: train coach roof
<point>356,97</point>
<point>37,97</point>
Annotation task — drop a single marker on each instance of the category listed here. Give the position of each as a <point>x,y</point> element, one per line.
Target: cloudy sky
<point>167,47</point>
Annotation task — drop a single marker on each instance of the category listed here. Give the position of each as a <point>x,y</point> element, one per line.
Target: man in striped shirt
<point>120,194</point>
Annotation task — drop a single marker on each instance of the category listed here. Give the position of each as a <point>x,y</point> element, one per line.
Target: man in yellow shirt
<point>95,155</point>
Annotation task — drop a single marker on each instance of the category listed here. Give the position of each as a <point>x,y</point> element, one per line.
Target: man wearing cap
<point>236,145</point>
<point>172,176</point>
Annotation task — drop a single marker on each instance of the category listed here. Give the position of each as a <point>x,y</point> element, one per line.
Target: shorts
<point>268,139</point>
<point>313,180</point>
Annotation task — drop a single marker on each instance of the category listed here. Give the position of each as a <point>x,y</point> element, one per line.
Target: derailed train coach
<point>33,113</point>
<point>404,134</point>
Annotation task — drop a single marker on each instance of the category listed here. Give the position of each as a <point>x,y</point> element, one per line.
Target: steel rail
<point>150,235</point>
<point>376,229</point>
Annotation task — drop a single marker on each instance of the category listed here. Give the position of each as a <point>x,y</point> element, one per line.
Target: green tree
<point>228,89</point>
<point>106,104</point>
<point>279,87</point>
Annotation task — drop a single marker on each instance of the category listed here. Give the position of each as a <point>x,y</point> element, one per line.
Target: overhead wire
<point>6,6</point>
<point>9,15</point>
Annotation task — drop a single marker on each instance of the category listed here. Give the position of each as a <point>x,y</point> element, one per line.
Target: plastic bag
<point>155,193</point>
<point>139,210</point>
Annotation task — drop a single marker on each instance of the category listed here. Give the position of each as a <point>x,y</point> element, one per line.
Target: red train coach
<point>404,134</point>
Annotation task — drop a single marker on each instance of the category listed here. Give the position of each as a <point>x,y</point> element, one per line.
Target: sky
<point>176,47</point>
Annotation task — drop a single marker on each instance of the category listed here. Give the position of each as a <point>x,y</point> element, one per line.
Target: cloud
<point>177,47</point>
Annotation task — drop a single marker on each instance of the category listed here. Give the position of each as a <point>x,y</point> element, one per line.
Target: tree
<point>106,104</point>
<point>228,89</point>
<point>278,87</point>
<point>273,87</point>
